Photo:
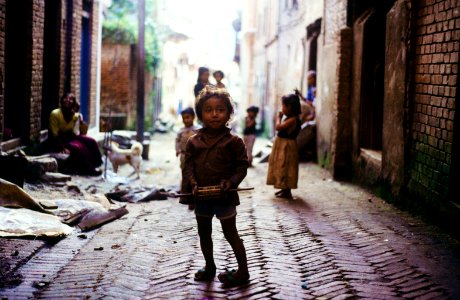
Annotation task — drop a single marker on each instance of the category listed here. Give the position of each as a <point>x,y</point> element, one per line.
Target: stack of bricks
<point>436,69</point>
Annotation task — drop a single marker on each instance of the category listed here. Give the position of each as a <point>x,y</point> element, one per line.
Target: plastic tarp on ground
<point>26,222</point>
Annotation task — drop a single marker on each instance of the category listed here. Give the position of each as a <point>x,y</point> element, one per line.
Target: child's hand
<point>177,153</point>
<point>280,114</point>
<point>225,185</point>
<point>195,189</point>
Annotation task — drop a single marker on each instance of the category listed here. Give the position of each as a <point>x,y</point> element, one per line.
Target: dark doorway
<point>454,184</point>
<point>85,61</point>
<point>18,40</point>
<point>313,31</point>
<point>371,35</point>
<point>51,60</point>
<point>372,83</point>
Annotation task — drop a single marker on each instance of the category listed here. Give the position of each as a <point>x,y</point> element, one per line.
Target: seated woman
<point>64,137</point>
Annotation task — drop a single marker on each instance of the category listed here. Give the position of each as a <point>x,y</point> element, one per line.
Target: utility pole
<point>140,71</point>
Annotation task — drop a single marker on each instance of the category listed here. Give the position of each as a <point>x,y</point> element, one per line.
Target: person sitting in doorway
<point>64,137</point>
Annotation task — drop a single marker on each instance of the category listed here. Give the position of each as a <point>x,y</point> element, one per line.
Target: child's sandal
<point>285,195</point>
<point>229,281</point>
<point>205,274</point>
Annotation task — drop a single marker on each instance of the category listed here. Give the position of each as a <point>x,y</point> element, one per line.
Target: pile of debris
<point>22,215</point>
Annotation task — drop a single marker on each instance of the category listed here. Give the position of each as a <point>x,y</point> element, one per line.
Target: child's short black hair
<point>212,91</point>
<point>253,109</point>
<point>292,101</point>
<point>188,111</point>
<point>218,72</point>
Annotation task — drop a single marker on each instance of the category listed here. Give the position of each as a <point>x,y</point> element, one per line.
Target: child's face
<point>205,77</point>
<point>218,77</point>
<point>68,102</point>
<point>215,114</point>
<point>251,114</point>
<point>187,119</point>
<point>285,109</point>
<point>311,80</point>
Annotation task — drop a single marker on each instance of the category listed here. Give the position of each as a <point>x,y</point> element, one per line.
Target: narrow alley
<point>338,239</point>
<point>229,149</point>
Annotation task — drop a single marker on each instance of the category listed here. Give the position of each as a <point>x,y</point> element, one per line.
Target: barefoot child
<point>249,133</point>
<point>213,157</point>
<point>188,117</point>
<point>283,167</point>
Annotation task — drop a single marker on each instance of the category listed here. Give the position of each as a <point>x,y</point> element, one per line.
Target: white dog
<point>119,157</point>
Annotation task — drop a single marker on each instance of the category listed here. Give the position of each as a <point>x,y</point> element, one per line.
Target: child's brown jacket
<point>207,164</point>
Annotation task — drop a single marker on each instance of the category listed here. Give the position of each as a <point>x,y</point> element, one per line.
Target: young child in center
<point>283,167</point>
<point>215,157</point>
<point>218,76</point>
<point>249,133</point>
<point>188,117</point>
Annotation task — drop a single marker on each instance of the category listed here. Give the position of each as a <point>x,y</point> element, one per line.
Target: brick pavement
<point>337,238</point>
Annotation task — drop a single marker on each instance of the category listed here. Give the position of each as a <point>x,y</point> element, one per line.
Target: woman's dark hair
<point>218,72</point>
<point>212,91</point>
<point>188,111</point>
<point>201,71</point>
<point>292,101</point>
<point>253,108</point>
<point>75,102</point>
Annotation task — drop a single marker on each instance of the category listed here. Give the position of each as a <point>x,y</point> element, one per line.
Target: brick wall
<point>34,76</point>
<point>63,47</point>
<point>94,45</point>
<point>115,78</point>
<point>36,72</point>
<point>2,62</point>
<point>76,48</point>
<point>436,70</point>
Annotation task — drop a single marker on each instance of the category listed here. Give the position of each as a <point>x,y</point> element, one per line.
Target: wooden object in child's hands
<point>210,192</point>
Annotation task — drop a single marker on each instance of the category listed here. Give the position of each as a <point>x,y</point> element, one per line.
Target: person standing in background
<point>283,165</point>
<point>188,117</point>
<point>202,81</point>
<point>249,133</point>
<point>218,76</point>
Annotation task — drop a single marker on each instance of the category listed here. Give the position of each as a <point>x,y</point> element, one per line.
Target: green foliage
<point>120,27</point>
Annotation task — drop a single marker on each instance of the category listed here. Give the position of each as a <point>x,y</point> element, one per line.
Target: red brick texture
<point>435,79</point>
<point>116,66</point>
<point>35,72</point>
<point>2,62</point>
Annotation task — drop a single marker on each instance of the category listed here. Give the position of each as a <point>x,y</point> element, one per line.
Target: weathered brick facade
<point>2,63</point>
<point>65,33</point>
<point>119,83</point>
<point>36,72</point>
<point>117,78</point>
<point>415,158</point>
<point>95,24</point>
<point>436,71</point>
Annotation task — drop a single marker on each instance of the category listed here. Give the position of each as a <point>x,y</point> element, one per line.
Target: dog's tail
<point>136,148</point>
